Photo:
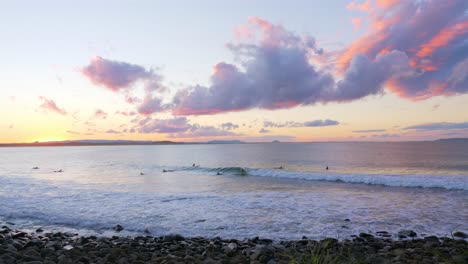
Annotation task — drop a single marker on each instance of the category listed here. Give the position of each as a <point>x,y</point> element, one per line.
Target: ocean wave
<point>451,182</point>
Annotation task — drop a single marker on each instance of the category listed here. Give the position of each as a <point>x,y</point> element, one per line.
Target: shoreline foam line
<point>449,182</point>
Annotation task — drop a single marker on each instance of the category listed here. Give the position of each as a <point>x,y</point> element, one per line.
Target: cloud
<point>203,131</point>
<point>431,34</point>
<point>174,125</point>
<point>118,75</point>
<point>369,131</point>
<point>361,7</point>
<point>125,113</point>
<point>73,132</point>
<point>276,72</point>
<point>100,114</point>
<point>179,127</point>
<point>229,126</point>
<point>151,105</point>
<point>320,123</point>
<point>50,105</point>
<point>263,130</point>
<point>112,131</point>
<point>416,49</point>
<point>357,23</point>
<point>314,123</point>
<point>388,135</point>
<point>121,76</point>
<point>438,126</point>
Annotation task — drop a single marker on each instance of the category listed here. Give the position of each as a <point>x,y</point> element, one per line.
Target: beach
<point>259,203</point>
<point>46,247</point>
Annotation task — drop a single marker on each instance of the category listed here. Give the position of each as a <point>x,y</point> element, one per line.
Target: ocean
<point>271,190</point>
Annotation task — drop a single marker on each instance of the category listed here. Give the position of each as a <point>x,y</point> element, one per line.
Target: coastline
<point>17,246</point>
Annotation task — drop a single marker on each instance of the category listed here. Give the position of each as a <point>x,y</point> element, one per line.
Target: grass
<point>319,254</point>
<point>324,253</point>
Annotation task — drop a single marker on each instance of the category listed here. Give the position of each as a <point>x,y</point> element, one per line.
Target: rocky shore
<point>65,248</point>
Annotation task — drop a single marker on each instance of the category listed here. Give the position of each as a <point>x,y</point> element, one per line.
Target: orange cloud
<point>357,23</point>
<point>444,37</point>
<point>360,7</point>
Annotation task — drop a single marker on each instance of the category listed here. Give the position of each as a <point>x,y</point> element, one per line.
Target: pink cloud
<point>277,74</point>
<point>112,131</point>
<point>100,114</point>
<point>173,125</point>
<point>115,75</point>
<point>429,33</point>
<point>415,49</point>
<point>360,7</point>
<point>151,105</point>
<point>357,23</point>
<point>179,127</point>
<point>121,76</point>
<point>126,113</point>
<point>49,105</point>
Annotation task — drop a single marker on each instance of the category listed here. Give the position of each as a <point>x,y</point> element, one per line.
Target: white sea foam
<point>255,209</point>
<point>453,182</point>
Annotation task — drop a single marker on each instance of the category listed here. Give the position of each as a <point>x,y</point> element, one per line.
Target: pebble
<point>65,248</point>
<point>118,228</point>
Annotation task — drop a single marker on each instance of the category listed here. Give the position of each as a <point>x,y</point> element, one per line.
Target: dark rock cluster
<point>66,248</point>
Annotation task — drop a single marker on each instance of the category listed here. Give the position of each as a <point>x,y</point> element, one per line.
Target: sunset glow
<point>366,65</point>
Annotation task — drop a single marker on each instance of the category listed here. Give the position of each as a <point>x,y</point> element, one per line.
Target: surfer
<point>141,173</point>
<point>167,170</point>
<point>59,170</point>
<point>243,172</point>
<point>219,173</point>
<point>35,168</point>
<point>193,165</point>
<point>326,168</point>
<point>279,168</point>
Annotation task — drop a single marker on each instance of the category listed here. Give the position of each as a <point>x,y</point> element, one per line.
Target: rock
<point>118,228</point>
<point>347,220</point>
<point>31,254</point>
<point>68,247</point>
<point>460,234</point>
<point>431,238</point>
<point>173,238</point>
<point>39,230</point>
<point>47,252</point>
<point>53,244</point>
<point>263,252</point>
<point>232,246</point>
<point>62,259</point>
<point>365,235</point>
<point>381,232</point>
<point>406,233</point>
<point>18,234</point>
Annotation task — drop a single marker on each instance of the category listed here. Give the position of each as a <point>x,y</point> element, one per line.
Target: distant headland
<point>103,142</point>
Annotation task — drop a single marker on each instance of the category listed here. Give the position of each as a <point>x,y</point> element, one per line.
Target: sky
<point>338,70</point>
